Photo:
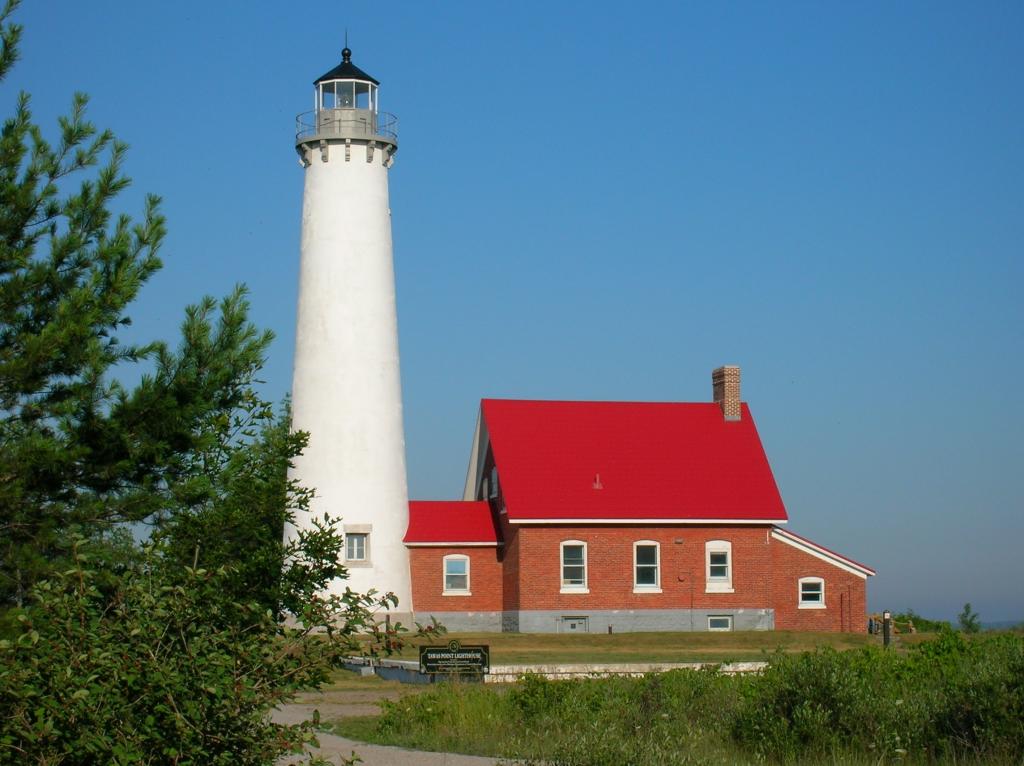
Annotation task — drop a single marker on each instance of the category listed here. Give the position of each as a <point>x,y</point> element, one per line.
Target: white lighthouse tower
<point>346,390</point>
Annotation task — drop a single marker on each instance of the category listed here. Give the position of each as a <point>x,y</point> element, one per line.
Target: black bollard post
<point>886,628</point>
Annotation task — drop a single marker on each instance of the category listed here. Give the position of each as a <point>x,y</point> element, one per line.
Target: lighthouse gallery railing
<point>346,123</point>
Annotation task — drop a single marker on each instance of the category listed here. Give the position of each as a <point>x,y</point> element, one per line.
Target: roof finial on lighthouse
<point>346,53</point>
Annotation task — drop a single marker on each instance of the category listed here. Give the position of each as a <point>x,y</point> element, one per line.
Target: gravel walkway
<point>337,706</point>
<point>378,755</point>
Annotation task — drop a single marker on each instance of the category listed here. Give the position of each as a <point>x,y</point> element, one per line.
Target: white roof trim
<point>817,551</point>
<point>673,521</point>
<point>477,456</point>
<point>453,545</point>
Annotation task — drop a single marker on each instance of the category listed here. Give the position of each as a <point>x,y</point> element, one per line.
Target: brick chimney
<point>725,388</point>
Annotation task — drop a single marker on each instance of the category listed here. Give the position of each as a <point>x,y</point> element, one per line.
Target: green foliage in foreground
<point>116,655</point>
<point>903,620</point>
<point>146,666</point>
<point>948,700</point>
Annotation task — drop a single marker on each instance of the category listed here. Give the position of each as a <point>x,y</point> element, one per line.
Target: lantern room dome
<point>346,70</point>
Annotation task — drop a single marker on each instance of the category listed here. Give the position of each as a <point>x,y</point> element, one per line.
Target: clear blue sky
<point>600,202</point>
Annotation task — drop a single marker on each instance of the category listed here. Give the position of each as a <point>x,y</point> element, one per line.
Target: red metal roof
<point>652,461</point>
<point>452,522</point>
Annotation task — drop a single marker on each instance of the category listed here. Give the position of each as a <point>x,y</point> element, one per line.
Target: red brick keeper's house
<point>629,516</point>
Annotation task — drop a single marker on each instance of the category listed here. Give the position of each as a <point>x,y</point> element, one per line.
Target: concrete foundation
<point>599,621</point>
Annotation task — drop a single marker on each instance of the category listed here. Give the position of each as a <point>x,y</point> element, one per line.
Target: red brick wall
<point>610,567</point>
<point>845,594</point>
<point>510,563</point>
<point>485,580</point>
<point>526,575</point>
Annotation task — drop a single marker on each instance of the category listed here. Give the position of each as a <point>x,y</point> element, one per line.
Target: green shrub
<point>953,699</point>
<point>950,697</point>
<point>139,668</point>
<point>921,624</point>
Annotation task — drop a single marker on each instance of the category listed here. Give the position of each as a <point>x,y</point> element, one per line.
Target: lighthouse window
<point>346,94</point>
<point>327,96</point>
<point>362,95</point>
<point>355,547</point>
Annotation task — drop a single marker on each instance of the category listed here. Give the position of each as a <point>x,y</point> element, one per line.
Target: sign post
<point>455,659</point>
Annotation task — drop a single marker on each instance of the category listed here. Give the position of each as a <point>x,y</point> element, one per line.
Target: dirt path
<point>336,704</point>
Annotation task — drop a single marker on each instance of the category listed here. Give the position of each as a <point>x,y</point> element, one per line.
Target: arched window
<point>456,575</point>
<point>718,566</point>
<point>574,566</point>
<point>646,567</point>
<point>811,593</point>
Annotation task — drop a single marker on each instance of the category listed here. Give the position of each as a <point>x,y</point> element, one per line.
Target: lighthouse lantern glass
<point>348,94</point>
<point>362,95</point>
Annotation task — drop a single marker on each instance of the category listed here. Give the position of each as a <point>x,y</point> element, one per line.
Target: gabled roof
<point>823,553</point>
<point>605,462</point>
<point>450,522</point>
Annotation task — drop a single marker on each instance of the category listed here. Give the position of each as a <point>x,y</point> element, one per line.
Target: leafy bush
<point>921,624</point>
<point>948,697</point>
<point>142,668</point>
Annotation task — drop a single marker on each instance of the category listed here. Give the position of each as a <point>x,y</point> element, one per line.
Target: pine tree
<point>80,453</point>
<point>968,619</point>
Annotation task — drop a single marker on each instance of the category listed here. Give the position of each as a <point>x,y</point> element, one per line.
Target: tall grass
<point>948,700</point>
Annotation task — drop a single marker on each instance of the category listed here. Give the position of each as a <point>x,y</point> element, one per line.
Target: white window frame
<point>720,617</point>
<point>647,588</point>
<point>572,587</point>
<point>801,603</point>
<point>718,584</point>
<point>445,591</point>
<point>350,539</point>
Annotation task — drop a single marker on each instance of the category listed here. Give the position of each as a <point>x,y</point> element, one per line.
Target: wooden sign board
<point>455,658</point>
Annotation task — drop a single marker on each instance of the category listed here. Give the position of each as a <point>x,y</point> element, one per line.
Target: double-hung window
<point>358,545</point>
<point>812,593</point>
<point>456,575</point>
<point>574,567</point>
<point>718,564</point>
<point>355,546</point>
<point>646,567</point>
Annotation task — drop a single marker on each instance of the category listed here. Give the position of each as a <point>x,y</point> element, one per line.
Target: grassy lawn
<point>550,648</point>
<point>847,707</point>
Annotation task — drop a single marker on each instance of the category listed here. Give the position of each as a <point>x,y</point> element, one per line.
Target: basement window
<point>812,593</point>
<point>720,622</point>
